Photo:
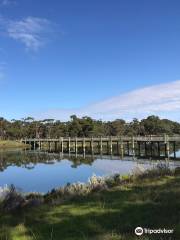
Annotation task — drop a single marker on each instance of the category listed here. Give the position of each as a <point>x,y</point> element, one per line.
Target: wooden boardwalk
<point>130,145</point>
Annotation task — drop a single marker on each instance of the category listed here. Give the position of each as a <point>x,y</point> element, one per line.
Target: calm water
<point>38,171</point>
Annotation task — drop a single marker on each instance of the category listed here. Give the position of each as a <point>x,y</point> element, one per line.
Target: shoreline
<point>10,144</point>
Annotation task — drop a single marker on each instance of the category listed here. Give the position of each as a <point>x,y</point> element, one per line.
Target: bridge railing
<point>148,138</point>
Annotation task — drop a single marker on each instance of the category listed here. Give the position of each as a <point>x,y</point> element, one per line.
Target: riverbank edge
<point>13,199</point>
<point>9,144</point>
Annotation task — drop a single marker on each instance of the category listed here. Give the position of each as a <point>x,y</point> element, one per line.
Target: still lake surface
<point>33,171</point>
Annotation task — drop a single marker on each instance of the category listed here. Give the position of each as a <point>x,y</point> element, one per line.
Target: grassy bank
<point>5,144</point>
<point>149,201</point>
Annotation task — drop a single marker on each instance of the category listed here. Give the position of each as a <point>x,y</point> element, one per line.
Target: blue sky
<point>107,59</point>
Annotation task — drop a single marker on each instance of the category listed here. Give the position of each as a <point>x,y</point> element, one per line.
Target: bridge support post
<point>139,148</point>
<point>55,146</point>
<point>167,149</point>
<point>59,145</point>
<point>69,144</point>
<point>145,149</point>
<point>62,145</point>
<point>128,153</point>
<point>76,148</point>
<point>34,145</point>
<point>166,142</point>
<point>84,146</point>
<point>107,147</point>
<point>50,148</point>
<point>101,147</point>
<point>174,149</point>
<point>151,148</point>
<point>92,145</point>
<point>121,148</point>
<point>133,147</point>
<point>110,141</point>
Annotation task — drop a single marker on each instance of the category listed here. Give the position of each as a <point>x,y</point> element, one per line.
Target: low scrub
<point>5,144</point>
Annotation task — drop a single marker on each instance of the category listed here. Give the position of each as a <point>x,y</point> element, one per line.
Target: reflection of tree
<point>77,161</point>
<point>29,160</point>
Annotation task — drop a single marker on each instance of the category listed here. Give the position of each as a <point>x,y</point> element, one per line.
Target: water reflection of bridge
<point>163,146</point>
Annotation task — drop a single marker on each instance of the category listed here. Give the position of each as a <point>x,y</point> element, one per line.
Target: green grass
<point>4,144</point>
<point>108,215</point>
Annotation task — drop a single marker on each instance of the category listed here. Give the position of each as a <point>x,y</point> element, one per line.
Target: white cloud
<point>162,100</point>
<point>31,31</point>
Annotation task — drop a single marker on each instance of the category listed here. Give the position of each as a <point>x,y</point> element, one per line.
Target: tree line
<point>85,127</point>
